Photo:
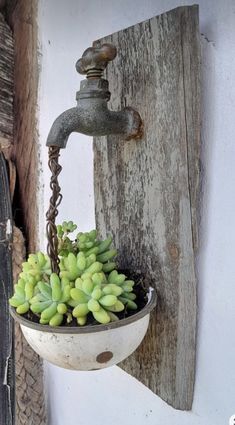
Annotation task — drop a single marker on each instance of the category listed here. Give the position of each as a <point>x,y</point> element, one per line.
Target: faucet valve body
<point>91,116</point>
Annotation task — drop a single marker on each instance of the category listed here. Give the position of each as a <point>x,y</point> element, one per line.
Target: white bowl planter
<point>88,347</point>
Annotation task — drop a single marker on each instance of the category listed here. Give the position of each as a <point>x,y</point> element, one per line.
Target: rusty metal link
<point>55,200</point>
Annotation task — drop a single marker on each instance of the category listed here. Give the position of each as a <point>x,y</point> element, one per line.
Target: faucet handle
<point>95,59</point>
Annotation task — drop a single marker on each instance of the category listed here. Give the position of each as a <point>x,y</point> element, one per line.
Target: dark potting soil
<point>140,290</point>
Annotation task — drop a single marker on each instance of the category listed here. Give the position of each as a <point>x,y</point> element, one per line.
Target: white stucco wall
<point>111,396</point>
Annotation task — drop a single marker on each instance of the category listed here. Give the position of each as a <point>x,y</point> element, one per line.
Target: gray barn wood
<point>146,191</point>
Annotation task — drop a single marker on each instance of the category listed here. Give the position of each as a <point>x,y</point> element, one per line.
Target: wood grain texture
<point>146,191</point>
<point>23,18</point>
<point>6,84</point>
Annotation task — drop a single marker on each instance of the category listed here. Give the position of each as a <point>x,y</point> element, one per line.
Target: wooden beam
<point>24,25</point>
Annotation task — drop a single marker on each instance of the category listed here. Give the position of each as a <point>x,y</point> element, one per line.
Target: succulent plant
<point>50,301</point>
<point>36,266</point>
<point>24,291</point>
<point>33,270</point>
<point>95,293</point>
<point>65,244</point>
<point>74,266</point>
<point>88,282</point>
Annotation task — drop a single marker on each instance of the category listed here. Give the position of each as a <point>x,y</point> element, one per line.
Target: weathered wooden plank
<point>22,15</point>
<point>24,23</point>
<point>7,375</point>
<point>146,190</point>
<point>6,83</point>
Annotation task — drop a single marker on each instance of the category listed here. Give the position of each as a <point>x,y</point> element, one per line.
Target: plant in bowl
<point>87,288</point>
<point>88,293</point>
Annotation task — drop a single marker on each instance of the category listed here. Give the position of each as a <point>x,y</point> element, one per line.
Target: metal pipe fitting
<point>91,116</point>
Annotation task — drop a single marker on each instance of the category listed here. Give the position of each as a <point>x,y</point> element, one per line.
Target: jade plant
<point>87,285</point>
